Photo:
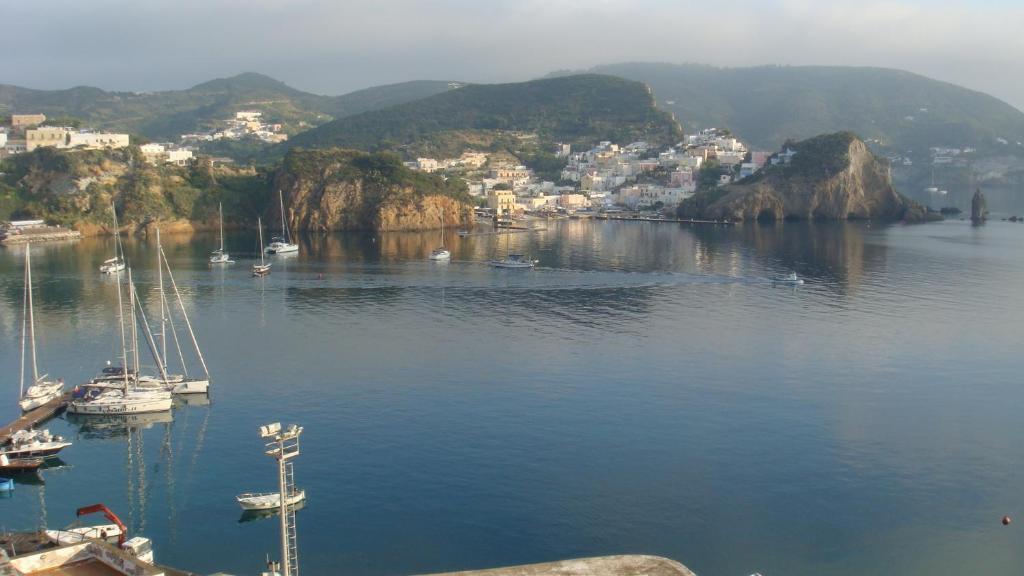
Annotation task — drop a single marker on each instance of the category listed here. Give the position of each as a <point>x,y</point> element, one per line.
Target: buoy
<point>1006,520</point>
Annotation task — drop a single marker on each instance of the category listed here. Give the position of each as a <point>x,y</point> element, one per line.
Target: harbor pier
<point>35,417</point>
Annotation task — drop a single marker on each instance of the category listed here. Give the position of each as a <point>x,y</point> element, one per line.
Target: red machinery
<point>110,516</point>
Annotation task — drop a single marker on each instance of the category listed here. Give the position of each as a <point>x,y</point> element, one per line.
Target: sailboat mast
<point>163,301</point>
<point>184,314</point>
<point>120,302</point>
<point>24,327</point>
<point>442,227</point>
<point>220,211</point>
<point>259,225</point>
<point>149,335</point>
<point>31,316</point>
<point>284,228</point>
<point>135,328</point>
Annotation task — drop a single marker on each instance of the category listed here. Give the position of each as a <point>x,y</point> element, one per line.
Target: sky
<point>333,47</point>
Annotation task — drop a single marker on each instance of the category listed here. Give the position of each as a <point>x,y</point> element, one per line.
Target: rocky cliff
<point>336,189</point>
<point>830,177</point>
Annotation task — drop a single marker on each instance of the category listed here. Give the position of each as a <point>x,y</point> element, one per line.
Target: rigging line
<point>184,314</point>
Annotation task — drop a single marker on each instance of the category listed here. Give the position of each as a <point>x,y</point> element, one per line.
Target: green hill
<point>768,105</point>
<point>168,114</point>
<point>386,96</point>
<point>579,109</point>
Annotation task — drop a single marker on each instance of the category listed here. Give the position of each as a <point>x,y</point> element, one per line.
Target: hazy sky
<point>333,47</point>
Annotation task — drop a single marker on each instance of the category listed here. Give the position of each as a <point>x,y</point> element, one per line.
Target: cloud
<point>333,47</point>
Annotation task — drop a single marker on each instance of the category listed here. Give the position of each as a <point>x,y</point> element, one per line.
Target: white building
<point>3,139</point>
<point>248,116</point>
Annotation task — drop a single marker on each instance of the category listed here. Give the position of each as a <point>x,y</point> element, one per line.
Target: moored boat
<point>790,279</point>
<point>441,253</point>
<point>18,465</point>
<point>268,500</point>
<point>41,390</point>
<point>220,256</point>
<point>281,244</point>
<point>514,261</point>
<point>263,268</point>
<point>33,444</point>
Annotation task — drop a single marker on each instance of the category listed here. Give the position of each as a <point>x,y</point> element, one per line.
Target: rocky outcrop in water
<point>335,189</point>
<point>830,177</point>
<point>979,207</point>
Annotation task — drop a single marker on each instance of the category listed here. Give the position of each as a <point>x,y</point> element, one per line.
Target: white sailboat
<point>41,390</point>
<point>129,398</point>
<point>282,244</point>
<point>441,253</point>
<point>514,261</point>
<point>177,383</point>
<point>263,268</point>
<point>115,264</point>
<point>220,256</point>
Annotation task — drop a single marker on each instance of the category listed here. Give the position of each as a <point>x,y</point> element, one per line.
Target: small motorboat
<point>514,261</point>
<point>440,254</point>
<point>6,484</point>
<point>18,465</point>
<point>790,280</point>
<point>268,500</point>
<point>112,265</point>
<point>33,444</point>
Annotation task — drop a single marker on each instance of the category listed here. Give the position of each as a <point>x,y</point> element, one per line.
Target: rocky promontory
<point>829,177</point>
<point>338,189</point>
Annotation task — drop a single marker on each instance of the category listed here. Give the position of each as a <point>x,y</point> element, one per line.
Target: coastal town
<point>28,132</point>
<point>607,177</point>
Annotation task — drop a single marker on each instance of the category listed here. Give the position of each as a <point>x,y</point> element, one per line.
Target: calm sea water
<point>645,390</point>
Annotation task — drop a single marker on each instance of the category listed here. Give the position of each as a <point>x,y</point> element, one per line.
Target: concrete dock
<point>35,417</point>
<point>49,234</point>
<point>629,565</point>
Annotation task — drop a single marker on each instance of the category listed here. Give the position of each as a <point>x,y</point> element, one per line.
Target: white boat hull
<point>106,532</point>
<point>114,402</point>
<point>39,394</point>
<point>440,254</point>
<point>190,386</point>
<point>282,248</point>
<point>221,259</point>
<point>268,500</point>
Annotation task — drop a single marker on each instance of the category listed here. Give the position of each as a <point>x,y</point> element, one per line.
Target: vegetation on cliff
<point>77,188</point>
<point>575,109</point>
<point>341,189</point>
<point>830,177</point>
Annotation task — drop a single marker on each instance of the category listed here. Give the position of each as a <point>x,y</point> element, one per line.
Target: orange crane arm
<point>109,515</point>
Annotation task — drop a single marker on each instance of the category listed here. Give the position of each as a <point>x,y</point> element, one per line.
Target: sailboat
<point>513,260</point>
<point>41,390</point>
<point>282,244</point>
<point>220,256</point>
<point>177,383</point>
<point>441,253</point>
<point>263,268</point>
<point>129,397</point>
<point>115,264</point>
